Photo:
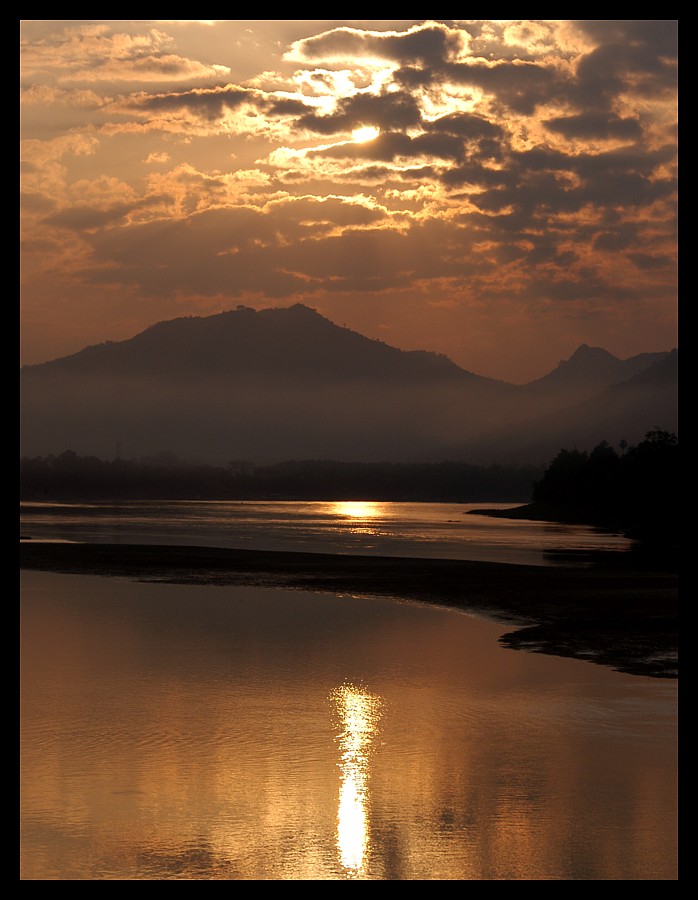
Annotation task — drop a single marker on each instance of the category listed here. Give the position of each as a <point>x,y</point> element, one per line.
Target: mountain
<point>590,370</point>
<point>625,411</point>
<point>296,343</point>
<point>289,384</point>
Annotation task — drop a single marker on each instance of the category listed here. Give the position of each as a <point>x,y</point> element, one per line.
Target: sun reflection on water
<point>356,509</point>
<point>359,713</point>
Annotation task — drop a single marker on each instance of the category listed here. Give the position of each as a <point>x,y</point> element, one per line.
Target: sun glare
<point>365,133</point>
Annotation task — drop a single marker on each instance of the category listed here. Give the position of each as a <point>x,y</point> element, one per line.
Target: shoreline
<point>612,615</point>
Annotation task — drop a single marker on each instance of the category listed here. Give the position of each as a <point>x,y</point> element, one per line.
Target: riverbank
<point>656,538</point>
<point>613,615</point>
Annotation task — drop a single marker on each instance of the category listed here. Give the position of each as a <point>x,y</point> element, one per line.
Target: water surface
<point>179,732</point>
<point>428,530</point>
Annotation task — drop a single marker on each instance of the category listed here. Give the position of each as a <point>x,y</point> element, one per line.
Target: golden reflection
<point>359,713</point>
<point>356,509</point>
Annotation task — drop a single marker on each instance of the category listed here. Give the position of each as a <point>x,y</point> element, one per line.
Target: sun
<point>365,133</point>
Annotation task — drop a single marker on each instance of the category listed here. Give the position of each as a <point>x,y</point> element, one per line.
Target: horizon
<point>496,191</point>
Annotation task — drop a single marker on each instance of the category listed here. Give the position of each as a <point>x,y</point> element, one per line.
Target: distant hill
<point>289,384</point>
<point>295,343</point>
<point>589,370</point>
<point>625,411</point>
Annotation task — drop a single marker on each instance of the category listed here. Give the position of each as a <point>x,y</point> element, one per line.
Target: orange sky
<point>516,195</point>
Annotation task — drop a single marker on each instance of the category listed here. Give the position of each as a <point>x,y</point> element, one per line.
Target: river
<point>178,732</point>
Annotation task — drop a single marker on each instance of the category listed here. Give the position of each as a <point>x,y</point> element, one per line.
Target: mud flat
<point>613,615</point>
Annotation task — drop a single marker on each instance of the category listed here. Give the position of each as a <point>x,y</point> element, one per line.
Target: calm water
<point>433,530</point>
<point>179,732</point>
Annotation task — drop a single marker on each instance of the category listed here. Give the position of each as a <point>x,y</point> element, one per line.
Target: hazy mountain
<point>623,412</point>
<point>590,370</point>
<point>288,383</point>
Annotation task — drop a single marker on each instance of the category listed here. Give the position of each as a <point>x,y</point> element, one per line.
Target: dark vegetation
<point>165,477</point>
<point>634,491</point>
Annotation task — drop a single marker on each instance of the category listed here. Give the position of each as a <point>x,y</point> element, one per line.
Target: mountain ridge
<point>623,411</point>
<point>579,363</point>
<point>287,383</point>
<point>294,341</point>
<point>592,366</point>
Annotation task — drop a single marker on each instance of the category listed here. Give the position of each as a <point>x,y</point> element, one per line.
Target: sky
<point>499,191</point>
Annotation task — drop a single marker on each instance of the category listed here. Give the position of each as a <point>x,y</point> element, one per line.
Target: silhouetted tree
<point>635,492</point>
<point>563,480</point>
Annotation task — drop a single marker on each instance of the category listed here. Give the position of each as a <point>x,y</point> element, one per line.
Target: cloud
<point>392,145</point>
<point>425,44</point>
<point>46,95</point>
<point>387,111</point>
<point>90,53</point>
<point>519,86</point>
<point>519,162</point>
<point>653,38</point>
<point>286,246</point>
<point>624,235</point>
<point>650,261</point>
<point>467,125</point>
<point>592,125</point>
<point>86,218</point>
<point>633,58</point>
<point>157,157</point>
<point>210,104</point>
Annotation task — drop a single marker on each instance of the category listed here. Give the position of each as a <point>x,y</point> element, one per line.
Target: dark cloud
<point>390,145</point>
<point>592,125</point>
<point>650,262</point>
<point>536,198</point>
<point>472,173</point>
<point>161,65</point>
<point>544,182</point>
<point>412,77</point>
<point>467,125</point>
<point>521,86</point>
<point>620,238</point>
<point>633,57</point>
<point>210,104</point>
<point>284,106</point>
<point>659,35</point>
<point>634,158</point>
<point>395,110</point>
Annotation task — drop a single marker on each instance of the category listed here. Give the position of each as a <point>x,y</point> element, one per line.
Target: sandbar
<point>610,613</point>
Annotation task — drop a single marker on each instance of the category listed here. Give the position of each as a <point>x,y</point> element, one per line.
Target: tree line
<point>69,476</point>
<point>634,490</point>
